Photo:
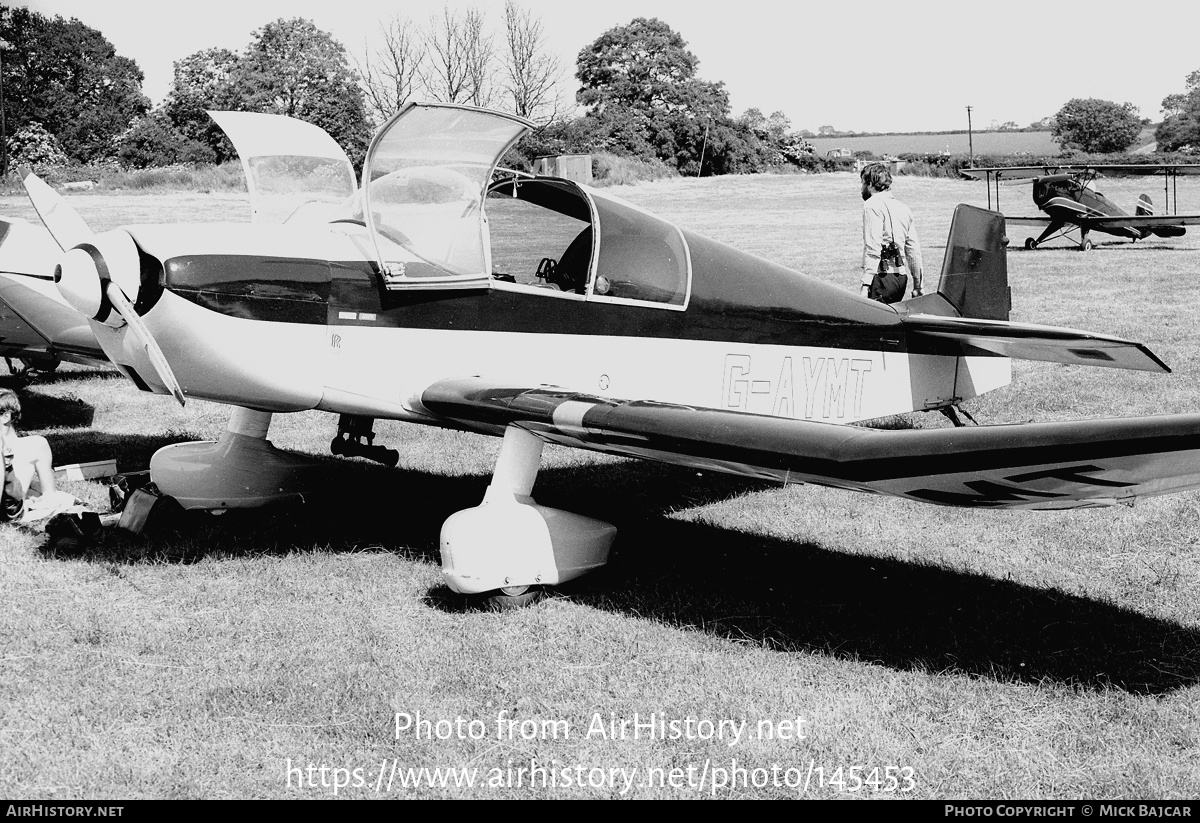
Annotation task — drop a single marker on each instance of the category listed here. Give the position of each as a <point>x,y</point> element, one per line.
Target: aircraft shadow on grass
<point>41,411</point>
<point>785,595</point>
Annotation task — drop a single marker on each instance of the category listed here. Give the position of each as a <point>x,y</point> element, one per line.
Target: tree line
<point>67,97</point>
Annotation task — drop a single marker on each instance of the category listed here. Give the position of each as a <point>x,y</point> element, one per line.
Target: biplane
<point>543,311</point>
<point>1074,208</point>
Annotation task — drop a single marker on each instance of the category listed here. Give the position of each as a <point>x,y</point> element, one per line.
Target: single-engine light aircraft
<point>543,311</point>
<point>1068,196</point>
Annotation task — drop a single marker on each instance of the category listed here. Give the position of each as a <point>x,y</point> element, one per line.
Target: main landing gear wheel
<point>512,597</point>
<point>1030,243</point>
<point>1087,245</point>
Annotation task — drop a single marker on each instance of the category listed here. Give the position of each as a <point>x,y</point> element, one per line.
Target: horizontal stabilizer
<point>928,334</point>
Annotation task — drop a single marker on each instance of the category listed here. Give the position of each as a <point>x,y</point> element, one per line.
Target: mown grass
<point>997,655</point>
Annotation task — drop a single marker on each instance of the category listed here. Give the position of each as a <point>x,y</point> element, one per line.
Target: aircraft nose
<point>84,272</point>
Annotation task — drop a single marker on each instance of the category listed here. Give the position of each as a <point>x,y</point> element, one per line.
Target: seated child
<point>29,490</point>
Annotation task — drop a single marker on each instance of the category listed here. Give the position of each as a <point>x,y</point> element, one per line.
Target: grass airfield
<point>922,652</point>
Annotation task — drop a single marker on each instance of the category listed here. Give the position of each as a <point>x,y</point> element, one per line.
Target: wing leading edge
<point>1024,466</point>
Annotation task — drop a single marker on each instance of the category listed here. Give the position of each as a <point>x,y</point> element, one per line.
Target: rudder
<point>974,277</point>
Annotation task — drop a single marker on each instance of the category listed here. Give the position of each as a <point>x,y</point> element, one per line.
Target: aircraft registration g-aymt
<point>543,311</point>
<point>1068,197</point>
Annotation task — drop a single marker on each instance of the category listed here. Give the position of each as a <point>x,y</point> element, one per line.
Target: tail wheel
<point>1030,243</point>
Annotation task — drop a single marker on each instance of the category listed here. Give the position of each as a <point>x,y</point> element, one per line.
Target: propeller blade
<point>138,327</point>
<point>64,223</point>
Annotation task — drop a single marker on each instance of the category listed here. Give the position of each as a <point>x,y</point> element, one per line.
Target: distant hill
<point>1035,143</point>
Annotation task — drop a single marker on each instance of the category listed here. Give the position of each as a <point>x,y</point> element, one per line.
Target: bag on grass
<point>890,280</point>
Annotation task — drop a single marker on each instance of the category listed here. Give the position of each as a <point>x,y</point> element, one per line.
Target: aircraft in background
<point>38,328</point>
<point>543,311</point>
<point>1068,196</point>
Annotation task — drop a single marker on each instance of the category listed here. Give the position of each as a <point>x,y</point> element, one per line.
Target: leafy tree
<point>203,81</point>
<point>69,78</point>
<point>1180,129</point>
<point>640,79</point>
<point>293,68</point>
<point>1096,126</point>
<point>154,141</point>
<point>290,67</point>
<point>33,146</point>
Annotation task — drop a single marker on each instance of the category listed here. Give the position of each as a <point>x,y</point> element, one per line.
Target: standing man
<point>887,222</point>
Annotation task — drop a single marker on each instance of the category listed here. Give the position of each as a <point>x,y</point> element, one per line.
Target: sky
<point>863,66</point>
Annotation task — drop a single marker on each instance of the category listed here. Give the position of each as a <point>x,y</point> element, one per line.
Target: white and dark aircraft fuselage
<point>544,311</point>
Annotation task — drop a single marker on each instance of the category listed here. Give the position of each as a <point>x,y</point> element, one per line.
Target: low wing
<point>1026,466</point>
<point>1126,221</point>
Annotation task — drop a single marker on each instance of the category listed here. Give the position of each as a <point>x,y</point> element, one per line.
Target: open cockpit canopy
<point>295,172</point>
<point>424,180</point>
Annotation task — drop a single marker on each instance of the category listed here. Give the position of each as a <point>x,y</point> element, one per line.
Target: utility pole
<point>970,138</point>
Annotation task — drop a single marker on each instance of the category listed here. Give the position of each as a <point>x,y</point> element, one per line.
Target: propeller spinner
<point>96,271</point>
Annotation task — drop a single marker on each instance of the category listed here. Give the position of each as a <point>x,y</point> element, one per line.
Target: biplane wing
<point>1024,466</point>
<point>1129,170</point>
<point>1011,172</point>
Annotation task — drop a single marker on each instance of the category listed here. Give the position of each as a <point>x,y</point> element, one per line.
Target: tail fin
<point>973,294</point>
<point>1144,206</point>
<point>974,280</point>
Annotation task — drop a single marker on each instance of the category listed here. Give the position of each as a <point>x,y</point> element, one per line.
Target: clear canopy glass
<point>425,177</point>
